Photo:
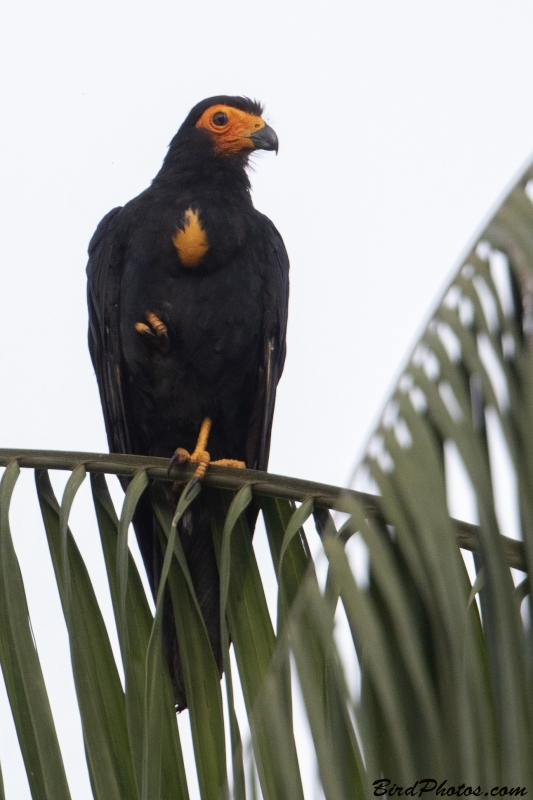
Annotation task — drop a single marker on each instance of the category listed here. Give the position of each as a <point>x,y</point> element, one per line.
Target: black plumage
<point>193,251</point>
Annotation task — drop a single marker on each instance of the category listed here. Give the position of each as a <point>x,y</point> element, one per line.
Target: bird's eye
<point>220,119</point>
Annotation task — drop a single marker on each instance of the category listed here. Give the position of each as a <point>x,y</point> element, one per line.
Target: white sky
<point>400,125</point>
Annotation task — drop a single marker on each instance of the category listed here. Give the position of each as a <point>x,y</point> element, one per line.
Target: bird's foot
<point>155,332</point>
<point>229,462</point>
<point>200,456</point>
<point>182,456</point>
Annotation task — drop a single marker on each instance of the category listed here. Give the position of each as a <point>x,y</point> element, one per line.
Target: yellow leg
<point>203,438</point>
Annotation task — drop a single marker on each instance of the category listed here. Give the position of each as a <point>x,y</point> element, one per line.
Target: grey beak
<point>265,139</point>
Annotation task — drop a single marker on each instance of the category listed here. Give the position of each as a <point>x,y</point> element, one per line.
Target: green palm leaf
<point>444,654</point>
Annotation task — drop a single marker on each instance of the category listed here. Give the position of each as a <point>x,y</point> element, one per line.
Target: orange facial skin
<point>234,136</point>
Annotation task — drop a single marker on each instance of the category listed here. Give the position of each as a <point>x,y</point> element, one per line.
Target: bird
<point>187,288</point>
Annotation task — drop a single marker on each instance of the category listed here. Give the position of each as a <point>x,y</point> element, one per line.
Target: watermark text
<point>385,787</point>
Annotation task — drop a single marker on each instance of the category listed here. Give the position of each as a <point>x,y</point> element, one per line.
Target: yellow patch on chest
<point>190,240</point>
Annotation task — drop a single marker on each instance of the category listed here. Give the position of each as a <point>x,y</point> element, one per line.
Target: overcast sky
<point>400,126</point>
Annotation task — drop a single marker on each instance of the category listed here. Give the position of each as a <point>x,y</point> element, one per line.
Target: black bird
<point>188,292</point>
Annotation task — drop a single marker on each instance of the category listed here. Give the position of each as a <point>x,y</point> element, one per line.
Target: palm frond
<point>444,651</point>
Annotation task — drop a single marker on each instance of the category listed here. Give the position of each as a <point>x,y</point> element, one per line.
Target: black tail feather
<point>194,530</point>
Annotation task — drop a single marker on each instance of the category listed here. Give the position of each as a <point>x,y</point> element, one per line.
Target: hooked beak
<point>265,139</point>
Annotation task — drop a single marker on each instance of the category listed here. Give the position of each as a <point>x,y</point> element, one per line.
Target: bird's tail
<point>195,534</point>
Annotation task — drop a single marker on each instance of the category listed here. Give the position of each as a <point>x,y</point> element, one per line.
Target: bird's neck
<point>203,171</point>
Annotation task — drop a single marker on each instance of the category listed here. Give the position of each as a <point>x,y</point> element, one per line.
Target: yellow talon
<point>156,331</point>
<point>181,456</point>
<point>159,327</point>
<point>229,462</point>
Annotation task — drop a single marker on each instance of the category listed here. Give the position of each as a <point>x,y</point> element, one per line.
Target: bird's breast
<point>197,264</point>
<point>214,318</point>
<point>190,239</point>
<point>215,315</point>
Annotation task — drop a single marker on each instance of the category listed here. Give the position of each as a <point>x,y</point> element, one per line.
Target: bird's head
<point>231,127</point>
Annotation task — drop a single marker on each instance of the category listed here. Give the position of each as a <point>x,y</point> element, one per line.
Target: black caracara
<point>188,291</point>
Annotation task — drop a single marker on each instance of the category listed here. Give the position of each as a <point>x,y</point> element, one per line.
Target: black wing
<point>104,272</point>
<point>275,309</point>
